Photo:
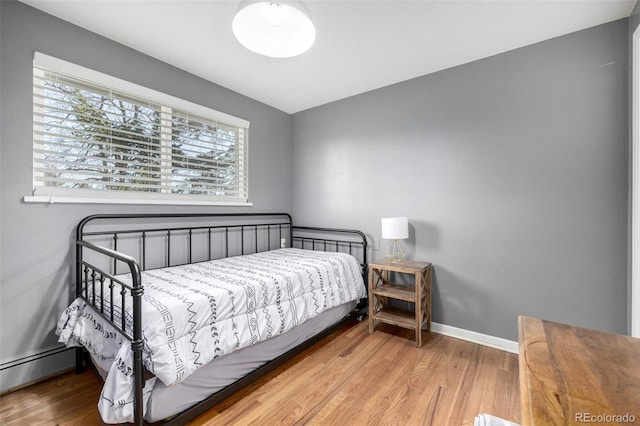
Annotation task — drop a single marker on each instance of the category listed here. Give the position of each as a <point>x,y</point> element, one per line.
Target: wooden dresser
<point>571,375</point>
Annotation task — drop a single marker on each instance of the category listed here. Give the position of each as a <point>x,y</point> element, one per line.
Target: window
<point>104,139</point>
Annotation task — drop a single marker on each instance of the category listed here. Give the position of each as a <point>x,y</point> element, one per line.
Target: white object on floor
<point>489,420</point>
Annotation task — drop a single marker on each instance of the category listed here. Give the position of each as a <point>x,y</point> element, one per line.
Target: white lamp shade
<point>395,228</point>
<point>278,29</point>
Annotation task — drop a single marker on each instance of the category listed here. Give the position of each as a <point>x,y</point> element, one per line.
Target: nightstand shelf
<point>381,290</point>
<point>396,291</point>
<point>396,316</point>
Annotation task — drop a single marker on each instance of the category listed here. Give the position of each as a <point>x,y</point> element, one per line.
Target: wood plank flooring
<point>350,377</point>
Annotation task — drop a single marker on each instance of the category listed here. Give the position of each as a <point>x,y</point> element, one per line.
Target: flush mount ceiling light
<point>279,29</point>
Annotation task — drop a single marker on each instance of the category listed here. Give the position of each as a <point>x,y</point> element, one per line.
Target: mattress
<point>197,313</point>
<point>165,401</point>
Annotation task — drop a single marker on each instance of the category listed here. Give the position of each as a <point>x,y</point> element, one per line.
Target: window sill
<point>82,200</point>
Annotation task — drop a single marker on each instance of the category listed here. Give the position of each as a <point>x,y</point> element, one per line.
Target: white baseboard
<point>479,338</point>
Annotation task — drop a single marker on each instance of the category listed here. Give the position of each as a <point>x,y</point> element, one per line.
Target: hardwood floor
<point>350,377</point>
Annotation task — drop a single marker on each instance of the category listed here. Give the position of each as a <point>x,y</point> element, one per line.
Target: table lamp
<point>395,228</point>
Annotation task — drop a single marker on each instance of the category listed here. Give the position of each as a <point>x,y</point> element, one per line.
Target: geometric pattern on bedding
<point>195,313</point>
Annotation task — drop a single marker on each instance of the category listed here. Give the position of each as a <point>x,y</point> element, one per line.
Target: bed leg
<point>79,360</point>
<point>138,377</point>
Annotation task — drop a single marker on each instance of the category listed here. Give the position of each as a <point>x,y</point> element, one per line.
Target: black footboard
<point>109,245</point>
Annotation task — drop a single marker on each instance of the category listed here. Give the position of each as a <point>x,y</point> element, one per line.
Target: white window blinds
<point>96,136</point>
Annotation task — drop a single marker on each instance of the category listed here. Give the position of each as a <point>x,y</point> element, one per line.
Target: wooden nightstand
<point>380,290</point>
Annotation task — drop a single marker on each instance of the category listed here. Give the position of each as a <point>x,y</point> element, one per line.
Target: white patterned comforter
<point>195,313</point>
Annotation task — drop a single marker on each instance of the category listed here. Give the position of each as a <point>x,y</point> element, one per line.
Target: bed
<point>179,311</point>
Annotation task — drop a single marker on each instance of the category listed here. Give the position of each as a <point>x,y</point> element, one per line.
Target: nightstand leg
<point>371,325</point>
<point>418,309</point>
<point>428,272</point>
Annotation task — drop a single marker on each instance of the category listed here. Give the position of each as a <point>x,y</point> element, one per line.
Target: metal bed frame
<point>238,233</point>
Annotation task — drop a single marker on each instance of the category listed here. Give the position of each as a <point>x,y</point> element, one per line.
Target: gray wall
<point>36,245</point>
<point>513,171</point>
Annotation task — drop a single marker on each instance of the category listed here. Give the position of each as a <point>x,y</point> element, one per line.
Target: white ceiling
<point>360,45</point>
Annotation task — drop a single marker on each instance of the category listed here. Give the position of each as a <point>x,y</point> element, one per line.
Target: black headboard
<point>167,239</point>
